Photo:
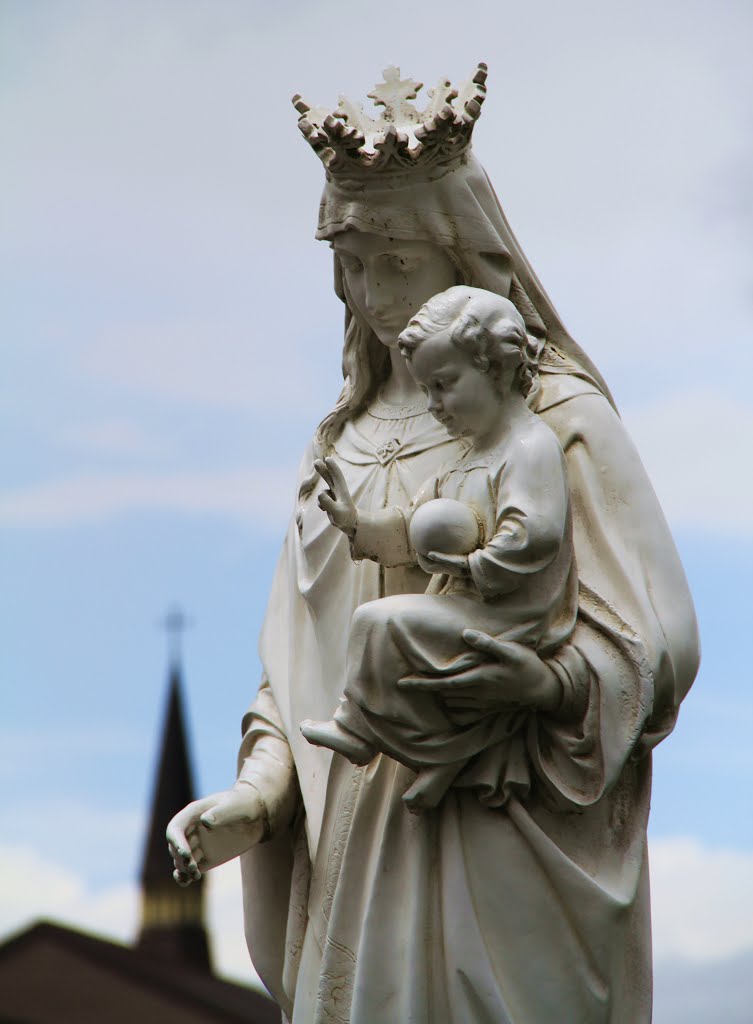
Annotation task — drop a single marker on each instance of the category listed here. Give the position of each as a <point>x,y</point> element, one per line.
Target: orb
<point>444,525</point>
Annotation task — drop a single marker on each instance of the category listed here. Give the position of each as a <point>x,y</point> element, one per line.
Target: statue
<point>518,892</point>
<point>469,352</point>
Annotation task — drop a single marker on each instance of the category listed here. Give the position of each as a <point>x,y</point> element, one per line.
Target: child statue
<point>493,529</point>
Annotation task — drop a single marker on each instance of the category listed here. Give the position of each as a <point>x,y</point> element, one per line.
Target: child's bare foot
<point>337,738</point>
<point>430,786</point>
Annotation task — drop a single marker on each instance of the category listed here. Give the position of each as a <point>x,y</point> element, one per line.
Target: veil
<point>460,212</point>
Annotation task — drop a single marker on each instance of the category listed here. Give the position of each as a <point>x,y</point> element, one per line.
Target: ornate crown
<point>352,145</point>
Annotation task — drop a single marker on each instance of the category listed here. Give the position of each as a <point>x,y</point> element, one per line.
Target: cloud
<point>259,499</point>
<point>702,900</point>
<point>237,363</point>
<point>174,253</point>
<point>111,437</point>
<point>87,847</point>
<point>91,739</point>
<point>698,448</point>
<point>37,885</point>
<point>686,992</point>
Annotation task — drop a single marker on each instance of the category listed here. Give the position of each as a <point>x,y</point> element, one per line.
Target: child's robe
<point>522,586</point>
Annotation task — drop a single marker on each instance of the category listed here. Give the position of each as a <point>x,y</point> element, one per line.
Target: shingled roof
<point>51,974</point>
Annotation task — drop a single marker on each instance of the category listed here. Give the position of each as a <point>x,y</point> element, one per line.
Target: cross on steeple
<point>175,623</point>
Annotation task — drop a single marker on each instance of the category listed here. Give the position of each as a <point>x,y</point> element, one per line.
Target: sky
<point>170,339</point>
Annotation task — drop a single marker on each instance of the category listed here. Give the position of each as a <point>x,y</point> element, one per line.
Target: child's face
<point>461,397</point>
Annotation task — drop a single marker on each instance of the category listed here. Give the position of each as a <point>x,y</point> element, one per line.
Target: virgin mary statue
<point>533,907</point>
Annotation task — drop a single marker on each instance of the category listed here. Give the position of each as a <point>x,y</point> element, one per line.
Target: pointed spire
<point>172,919</point>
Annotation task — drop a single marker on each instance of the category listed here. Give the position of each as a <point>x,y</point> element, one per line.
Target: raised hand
<point>336,500</point>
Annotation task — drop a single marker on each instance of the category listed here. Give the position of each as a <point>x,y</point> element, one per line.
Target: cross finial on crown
<point>393,94</point>
<point>353,145</point>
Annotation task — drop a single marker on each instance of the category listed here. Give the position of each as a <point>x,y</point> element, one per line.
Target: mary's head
<point>397,245</point>
<point>385,281</point>
<point>406,223</point>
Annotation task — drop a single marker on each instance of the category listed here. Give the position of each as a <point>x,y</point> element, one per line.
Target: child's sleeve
<point>532,498</point>
<point>384,536</point>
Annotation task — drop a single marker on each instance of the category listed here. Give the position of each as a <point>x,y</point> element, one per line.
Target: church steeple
<point>172,919</point>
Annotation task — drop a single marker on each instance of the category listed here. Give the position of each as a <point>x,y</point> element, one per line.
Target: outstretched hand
<point>213,830</point>
<point>514,676</point>
<point>336,500</point>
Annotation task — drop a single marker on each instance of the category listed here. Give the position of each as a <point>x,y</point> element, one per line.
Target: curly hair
<point>485,325</point>
<point>366,361</point>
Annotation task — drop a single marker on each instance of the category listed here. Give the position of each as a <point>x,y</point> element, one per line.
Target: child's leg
<point>391,638</point>
<point>373,712</point>
<point>430,785</point>
<point>337,735</point>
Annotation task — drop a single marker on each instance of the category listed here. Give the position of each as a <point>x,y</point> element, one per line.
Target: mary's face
<point>389,280</point>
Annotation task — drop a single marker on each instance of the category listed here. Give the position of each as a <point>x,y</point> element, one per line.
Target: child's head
<point>486,326</point>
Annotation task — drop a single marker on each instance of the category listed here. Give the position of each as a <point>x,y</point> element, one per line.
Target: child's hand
<point>453,565</point>
<point>336,500</point>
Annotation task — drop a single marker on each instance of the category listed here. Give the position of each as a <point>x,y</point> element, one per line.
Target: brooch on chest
<point>386,452</point>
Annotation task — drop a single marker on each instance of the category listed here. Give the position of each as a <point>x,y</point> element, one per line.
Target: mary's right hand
<point>215,829</point>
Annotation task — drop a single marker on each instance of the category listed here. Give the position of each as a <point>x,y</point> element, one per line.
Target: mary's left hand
<point>515,676</point>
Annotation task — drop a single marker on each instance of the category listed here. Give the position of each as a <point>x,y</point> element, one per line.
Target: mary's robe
<point>531,913</point>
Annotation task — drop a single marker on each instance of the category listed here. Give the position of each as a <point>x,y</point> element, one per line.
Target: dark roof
<point>50,973</point>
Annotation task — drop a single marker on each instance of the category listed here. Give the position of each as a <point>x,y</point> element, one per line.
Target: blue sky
<point>170,339</point>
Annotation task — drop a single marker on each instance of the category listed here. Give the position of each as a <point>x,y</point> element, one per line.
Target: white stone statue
<point>522,897</point>
<point>494,529</point>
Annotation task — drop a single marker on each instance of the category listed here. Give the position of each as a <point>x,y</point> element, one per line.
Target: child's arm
<point>532,511</point>
<point>379,536</point>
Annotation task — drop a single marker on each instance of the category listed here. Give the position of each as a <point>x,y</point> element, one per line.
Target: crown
<point>353,145</point>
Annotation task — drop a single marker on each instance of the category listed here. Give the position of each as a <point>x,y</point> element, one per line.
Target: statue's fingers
<point>182,878</point>
<point>425,683</point>
<point>462,702</point>
<point>222,816</point>
<point>416,683</point>
<point>437,556</point>
<point>454,564</point>
<point>459,683</point>
<point>193,868</point>
<point>324,473</point>
<point>186,868</point>
<point>326,502</point>
<point>180,851</point>
<point>338,480</point>
<point>186,857</point>
<point>469,677</point>
<point>496,649</point>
